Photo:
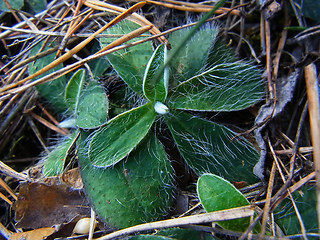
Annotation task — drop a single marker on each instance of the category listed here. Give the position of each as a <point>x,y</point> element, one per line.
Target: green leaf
<point>185,234</point>
<point>129,63</point>
<point>209,147</point>
<point>36,5</point>
<point>306,201</point>
<point>149,236</point>
<point>15,4</point>
<point>98,66</point>
<point>156,88</point>
<point>53,91</point>
<point>215,193</point>
<point>192,56</point>
<point>224,87</point>
<point>219,53</point>
<point>74,88</point>
<point>115,140</point>
<point>92,109</point>
<point>309,8</point>
<point>136,191</point>
<point>55,160</point>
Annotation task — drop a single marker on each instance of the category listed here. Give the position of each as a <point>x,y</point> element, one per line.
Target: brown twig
<point>38,135</point>
<point>266,209</point>
<point>192,8</point>
<point>303,230</point>
<point>8,189</point>
<point>62,131</point>
<point>281,45</point>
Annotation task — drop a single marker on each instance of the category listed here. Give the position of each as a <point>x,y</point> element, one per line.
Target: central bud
<point>161,108</point>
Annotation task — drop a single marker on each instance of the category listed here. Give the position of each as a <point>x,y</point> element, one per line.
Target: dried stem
<point>195,219</point>
<point>313,98</point>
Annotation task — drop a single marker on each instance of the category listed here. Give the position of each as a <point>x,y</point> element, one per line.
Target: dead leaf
<point>240,184</point>
<point>285,89</point>
<point>73,178</point>
<point>37,234</point>
<point>41,205</point>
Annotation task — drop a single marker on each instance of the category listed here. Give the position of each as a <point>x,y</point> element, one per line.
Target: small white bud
<point>161,108</point>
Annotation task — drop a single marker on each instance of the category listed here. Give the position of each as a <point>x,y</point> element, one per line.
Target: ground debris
<point>37,234</point>
<point>41,205</point>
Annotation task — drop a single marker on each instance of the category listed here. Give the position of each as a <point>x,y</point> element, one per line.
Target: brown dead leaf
<point>41,205</point>
<point>37,234</point>
<point>72,178</point>
<point>240,184</point>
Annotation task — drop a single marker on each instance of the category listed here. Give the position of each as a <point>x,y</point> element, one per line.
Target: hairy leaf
<point>100,65</point>
<point>224,87</point>
<point>115,140</point>
<point>92,110</point>
<point>191,58</point>
<point>155,84</point>
<point>134,191</point>
<point>215,193</point>
<point>209,147</point>
<point>52,91</point>
<point>219,53</point>
<point>129,63</point>
<point>74,88</point>
<point>55,160</point>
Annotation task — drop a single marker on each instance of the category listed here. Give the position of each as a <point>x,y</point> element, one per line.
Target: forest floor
<point>280,37</point>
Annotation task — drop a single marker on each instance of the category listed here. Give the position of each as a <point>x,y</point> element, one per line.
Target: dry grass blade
<point>265,216</point>
<point>12,173</point>
<point>31,59</point>
<point>126,38</point>
<point>224,215</point>
<point>276,163</point>
<point>313,98</point>
<point>294,188</point>
<point>4,198</point>
<point>76,49</point>
<point>23,23</point>
<point>50,77</point>
<point>140,20</point>
<point>189,7</point>
<point>62,131</point>
<point>70,31</point>
<point>302,182</point>
<point>8,189</point>
<point>38,135</point>
<point>5,232</point>
<point>81,45</point>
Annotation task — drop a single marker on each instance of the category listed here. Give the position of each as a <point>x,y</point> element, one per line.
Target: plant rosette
<point>124,167</point>
<point>201,77</point>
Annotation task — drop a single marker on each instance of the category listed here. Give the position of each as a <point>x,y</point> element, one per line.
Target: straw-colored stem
<point>313,98</point>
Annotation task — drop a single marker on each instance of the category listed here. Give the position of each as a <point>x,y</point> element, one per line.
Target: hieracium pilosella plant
<point>124,167</point>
